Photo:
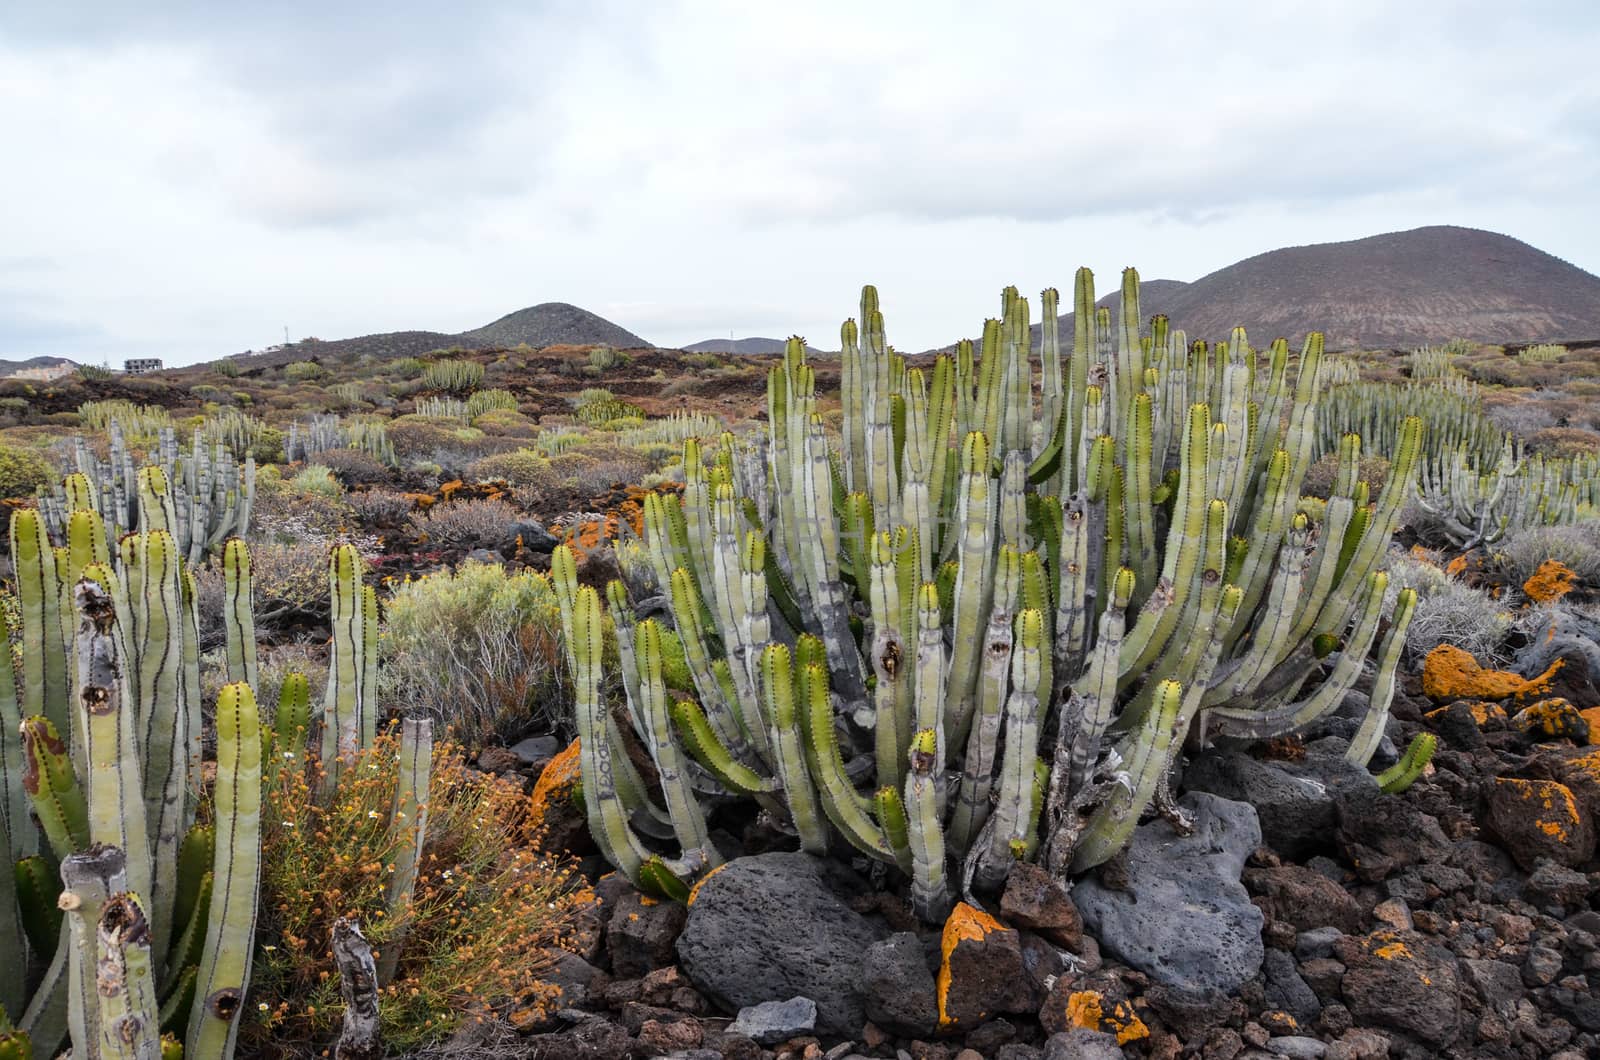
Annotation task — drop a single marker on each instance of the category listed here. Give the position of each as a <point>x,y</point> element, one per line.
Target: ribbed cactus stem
<point>224,970</point>
<point>130,1028</point>
<point>777,684</point>
<point>688,821</point>
<point>1410,767</point>
<point>1365,742</point>
<point>409,820</point>
<point>89,879</point>
<point>51,785</point>
<point>930,890</point>
<point>1108,830</point>
<point>237,613</point>
<point>342,704</point>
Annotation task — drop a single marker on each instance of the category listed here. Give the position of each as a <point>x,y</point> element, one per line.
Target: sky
<point>188,180</point>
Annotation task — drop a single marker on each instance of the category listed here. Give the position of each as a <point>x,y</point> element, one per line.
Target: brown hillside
<point>1400,289</point>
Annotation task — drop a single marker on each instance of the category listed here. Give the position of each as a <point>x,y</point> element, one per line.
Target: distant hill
<point>546,324</point>
<point>7,367</point>
<point>550,324</point>
<point>1398,290</point>
<point>752,345</point>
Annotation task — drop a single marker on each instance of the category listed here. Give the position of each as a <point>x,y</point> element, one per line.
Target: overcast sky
<point>185,180</point>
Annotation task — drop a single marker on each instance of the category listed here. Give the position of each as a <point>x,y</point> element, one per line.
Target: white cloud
<point>196,182</point>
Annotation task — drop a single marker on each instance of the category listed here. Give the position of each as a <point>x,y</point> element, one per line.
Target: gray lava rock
<point>1299,1047</point>
<point>772,1022</point>
<point>1318,942</point>
<point>535,538</point>
<point>1082,1044</point>
<point>536,750</point>
<point>1497,984</point>
<point>1185,920</point>
<point>1294,801</point>
<point>1286,990</point>
<point>899,989</point>
<point>776,926</point>
<point>1400,980</point>
<point>641,932</point>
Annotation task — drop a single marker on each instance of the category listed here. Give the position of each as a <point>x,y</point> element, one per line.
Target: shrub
<point>480,649</point>
<point>22,472</point>
<point>408,367</point>
<point>506,423</point>
<point>1448,611</point>
<point>380,509</point>
<point>487,914</point>
<point>346,395</point>
<point>93,373</point>
<point>442,408</point>
<point>318,480</point>
<point>522,467</point>
<point>352,467</point>
<point>1320,477</point>
<point>290,583</point>
<point>417,436</point>
<point>604,358</point>
<point>304,371</point>
<point>283,513</point>
<point>474,524</point>
<point>1575,547</point>
<point>1563,441</point>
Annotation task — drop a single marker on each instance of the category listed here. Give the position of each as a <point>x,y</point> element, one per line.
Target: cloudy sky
<point>185,180</point>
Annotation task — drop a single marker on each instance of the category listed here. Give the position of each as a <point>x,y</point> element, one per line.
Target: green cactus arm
<point>1136,477</point>
<point>608,820</point>
<point>1365,741</point>
<point>777,683</point>
<point>892,690</point>
<point>972,805</point>
<point>293,716</point>
<point>342,723</point>
<point>51,785</point>
<point>688,820</point>
<point>115,795</point>
<point>1409,768</point>
<point>1088,712</point>
<point>89,879</point>
<point>1014,812</point>
<point>175,1011</point>
<point>735,734</point>
<point>1240,676</point>
<point>38,893</point>
<point>130,1028</point>
<point>1154,626</point>
<point>408,818</point>
<point>941,415</point>
<point>1113,822</point>
<point>930,887</point>
<point>45,676</point>
<point>190,686</point>
<point>974,585</point>
<point>705,747</point>
<point>224,971</point>
<point>890,810</point>
<point>844,806</point>
<point>189,943</point>
<point>369,665</point>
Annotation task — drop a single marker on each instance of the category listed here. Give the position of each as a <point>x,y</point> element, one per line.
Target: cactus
<point>1404,773</point>
<point>154,902</point>
<point>1472,504</point>
<point>1022,609</point>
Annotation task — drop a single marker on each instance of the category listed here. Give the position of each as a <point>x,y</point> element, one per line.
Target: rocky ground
<point>1307,915</point>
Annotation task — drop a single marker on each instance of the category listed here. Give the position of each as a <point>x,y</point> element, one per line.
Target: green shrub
<point>93,373</point>
<point>480,649</point>
<point>304,371</point>
<point>317,480</point>
<point>522,467</point>
<point>228,368</point>
<point>490,401</point>
<point>408,367</point>
<point>604,358</point>
<point>22,472</point>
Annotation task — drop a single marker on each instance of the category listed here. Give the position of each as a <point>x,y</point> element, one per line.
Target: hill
<point>43,361</point>
<point>546,324</point>
<point>1400,289</point>
<point>741,346</point>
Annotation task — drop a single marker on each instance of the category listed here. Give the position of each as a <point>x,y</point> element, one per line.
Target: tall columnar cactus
<point>107,757</point>
<point>347,715</point>
<point>1023,608</point>
<point>1474,503</point>
<point>206,494</point>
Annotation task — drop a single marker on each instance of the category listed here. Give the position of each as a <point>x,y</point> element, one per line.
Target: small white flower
<point>372,814</point>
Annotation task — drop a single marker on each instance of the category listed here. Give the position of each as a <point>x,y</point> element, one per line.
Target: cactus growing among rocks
<point>1023,613</point>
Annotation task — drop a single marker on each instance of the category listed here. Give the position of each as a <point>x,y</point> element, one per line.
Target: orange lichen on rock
<point>1456,567</point>
<point>1555,811</point>
<point>1551,581</point>
<point>965,923</point>
<point>1483,713</point>
<point>694,892</point>
<point>555,783</point>
<point>450,487</point>
<point>1592,716</point>
<point>1086,1008</point>
<point>1552,719</point>
<point>1450,672</point>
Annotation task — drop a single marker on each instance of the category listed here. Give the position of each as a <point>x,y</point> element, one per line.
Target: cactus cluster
<point>1474,503</point>
<point>458,377</point>
<point>101,775</point>
<point>983,624</point>
<point>327,431</point>
<point>1541,353</point>
<point>210,494</point>
<point>1450,406</point>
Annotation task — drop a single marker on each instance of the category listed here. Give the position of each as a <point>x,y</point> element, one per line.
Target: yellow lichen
<point>1086,1008</point>
<point>555,784</point>
<point>965,922</point>
<point>1592,716</point>
<point>1482,713</point>
<point>1452,673</point>
<point>1555,810</point>
<point>694,892</point>
<point>1551,581</point>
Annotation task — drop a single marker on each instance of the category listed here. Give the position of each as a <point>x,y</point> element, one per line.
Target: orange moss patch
<point>1456,567</point>
<point>1086,1008</point>
<point>965,922</point>
<point>1551,581</point>
<point>555,784</point>
<point>1452,673</point>
<point>1551,805</point>
<point>1482,713</point>
<point>449,487</point>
